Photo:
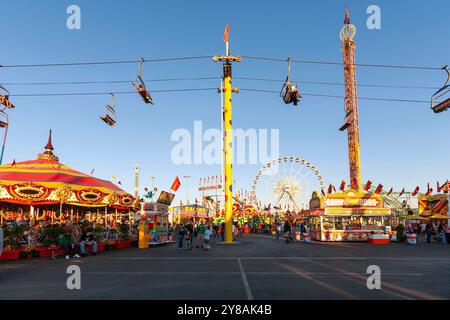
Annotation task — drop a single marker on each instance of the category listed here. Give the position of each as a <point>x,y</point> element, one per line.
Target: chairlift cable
<point>340,63</point>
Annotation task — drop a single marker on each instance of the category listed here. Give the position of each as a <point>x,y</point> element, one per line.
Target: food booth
<point>195,212</point>
<point>348,216</point>
<point>157,216</point>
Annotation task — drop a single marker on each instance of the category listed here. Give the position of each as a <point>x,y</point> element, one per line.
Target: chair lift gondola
<point>140,87</point>
<point>110,113</point>
<point>438,104</point>
<point>4,98</point>
<point>3,119</point>
<point>289,92</point>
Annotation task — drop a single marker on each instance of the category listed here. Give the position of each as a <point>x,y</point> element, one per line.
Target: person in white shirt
<point>206,245</point>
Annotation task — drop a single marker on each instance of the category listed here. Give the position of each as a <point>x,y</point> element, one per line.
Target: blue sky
<point>402,144</point>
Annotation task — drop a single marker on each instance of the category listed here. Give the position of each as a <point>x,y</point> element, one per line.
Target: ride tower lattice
<point>351,102</point>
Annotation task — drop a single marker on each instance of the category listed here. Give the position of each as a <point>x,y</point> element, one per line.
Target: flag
<point>323,192</point>
<point>415,192</point>
<point>429,190</point>
<point>330,188</point>
<point>368,185</point>
<point>92,171</point>
<point>176,184</point>
<point>343,184</point>
<point>379,189</point>
<point>390,191</point>
<point>402,192</point>
<point>114,177</point>
<point>13,164</point>
<point>120,182</point>
<point>226,33</point>
<point>438,189</point>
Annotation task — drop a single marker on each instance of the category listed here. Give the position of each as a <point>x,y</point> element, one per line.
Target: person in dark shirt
<point>181,234</point>
<point>87,239</point>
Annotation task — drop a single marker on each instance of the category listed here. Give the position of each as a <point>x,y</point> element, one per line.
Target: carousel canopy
<point>46,180</point>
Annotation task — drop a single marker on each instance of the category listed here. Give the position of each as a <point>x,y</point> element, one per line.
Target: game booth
<point>348,216</point>
<point>195,212</point>
<point>156,218</point>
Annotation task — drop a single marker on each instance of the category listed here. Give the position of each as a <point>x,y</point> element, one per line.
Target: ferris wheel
<point>287,183</point>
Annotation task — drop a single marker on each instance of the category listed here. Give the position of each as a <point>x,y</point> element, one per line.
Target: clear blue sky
<point>403,144</point>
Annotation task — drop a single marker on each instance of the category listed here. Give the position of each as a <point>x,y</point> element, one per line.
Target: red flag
<point>13,164</point>
<point>330,188</point>
<point>226,33</point>
<point>354,183</point>
<point>415,192</point>
<point>390,191</point>
<point>343,184</point>
<point>402,192</point>
<point>323,192</point>
<point>176,184</point>
<point>379,189</point>
<point>368,185</point>
<point>429,190</point>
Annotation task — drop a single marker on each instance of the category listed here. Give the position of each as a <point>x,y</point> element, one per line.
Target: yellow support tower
<point>228,135</point>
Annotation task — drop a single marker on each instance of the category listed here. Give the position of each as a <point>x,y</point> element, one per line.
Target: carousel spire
<point>49,145</point>
<point>48,154</point>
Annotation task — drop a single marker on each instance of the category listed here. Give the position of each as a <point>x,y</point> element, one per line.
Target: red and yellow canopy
<point>47,181</point>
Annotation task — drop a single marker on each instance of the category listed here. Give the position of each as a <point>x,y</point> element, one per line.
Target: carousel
<point>44,189</point>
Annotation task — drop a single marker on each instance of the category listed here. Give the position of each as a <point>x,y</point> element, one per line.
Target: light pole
<point>187,188</point>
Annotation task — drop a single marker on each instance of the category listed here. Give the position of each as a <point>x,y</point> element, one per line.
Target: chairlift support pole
<point>227,91</point>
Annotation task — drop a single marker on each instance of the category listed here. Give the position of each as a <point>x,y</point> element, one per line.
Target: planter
<point>45,252</point>
<point>10,255</point>
<point>123,244</point>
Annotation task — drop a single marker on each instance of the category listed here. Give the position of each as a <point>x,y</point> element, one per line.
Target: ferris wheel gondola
<point>438,101</point>
<point>140,87</point>
<point>110,113</point>
<point>289,92</point>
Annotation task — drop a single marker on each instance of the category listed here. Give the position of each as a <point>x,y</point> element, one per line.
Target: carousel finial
<point>48,154</point>
<point>49,145</point>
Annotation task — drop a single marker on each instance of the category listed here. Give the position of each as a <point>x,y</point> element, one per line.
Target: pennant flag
<point>176,184</point>
<point>368,185</point>
<point>92,171</point>
<point>343,184</point>
<point>354,183</point>
<point>438,189</point>
<point>13,164</point>
<point>379,189</point>
<point>415,192</point>
<point>330,188</point>
<point>226,33</point>
<point>323,192</point>
<point>402,192</point>
<point>429,190</point>
<point>390,191</point>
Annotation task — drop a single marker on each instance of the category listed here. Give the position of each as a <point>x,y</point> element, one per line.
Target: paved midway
<point>258,268</point>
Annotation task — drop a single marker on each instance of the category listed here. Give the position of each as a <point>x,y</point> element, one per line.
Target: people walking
<point>278,230</point>
<point>180,236</point>
<point>201,234</point>
<point>441,233</point>
<point>429,231</point>
<point>206,245</point>
<point>287,232</point>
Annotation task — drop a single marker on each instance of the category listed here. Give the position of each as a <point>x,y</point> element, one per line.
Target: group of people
<point>191,232</point>
<point>289,229</point>
<point>77,237</point>
<point>429,230</point>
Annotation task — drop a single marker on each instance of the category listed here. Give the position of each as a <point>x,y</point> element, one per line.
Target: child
<point>206,245</point>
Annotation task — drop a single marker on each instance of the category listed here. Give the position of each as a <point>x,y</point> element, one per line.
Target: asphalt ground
<point>260,267</point>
